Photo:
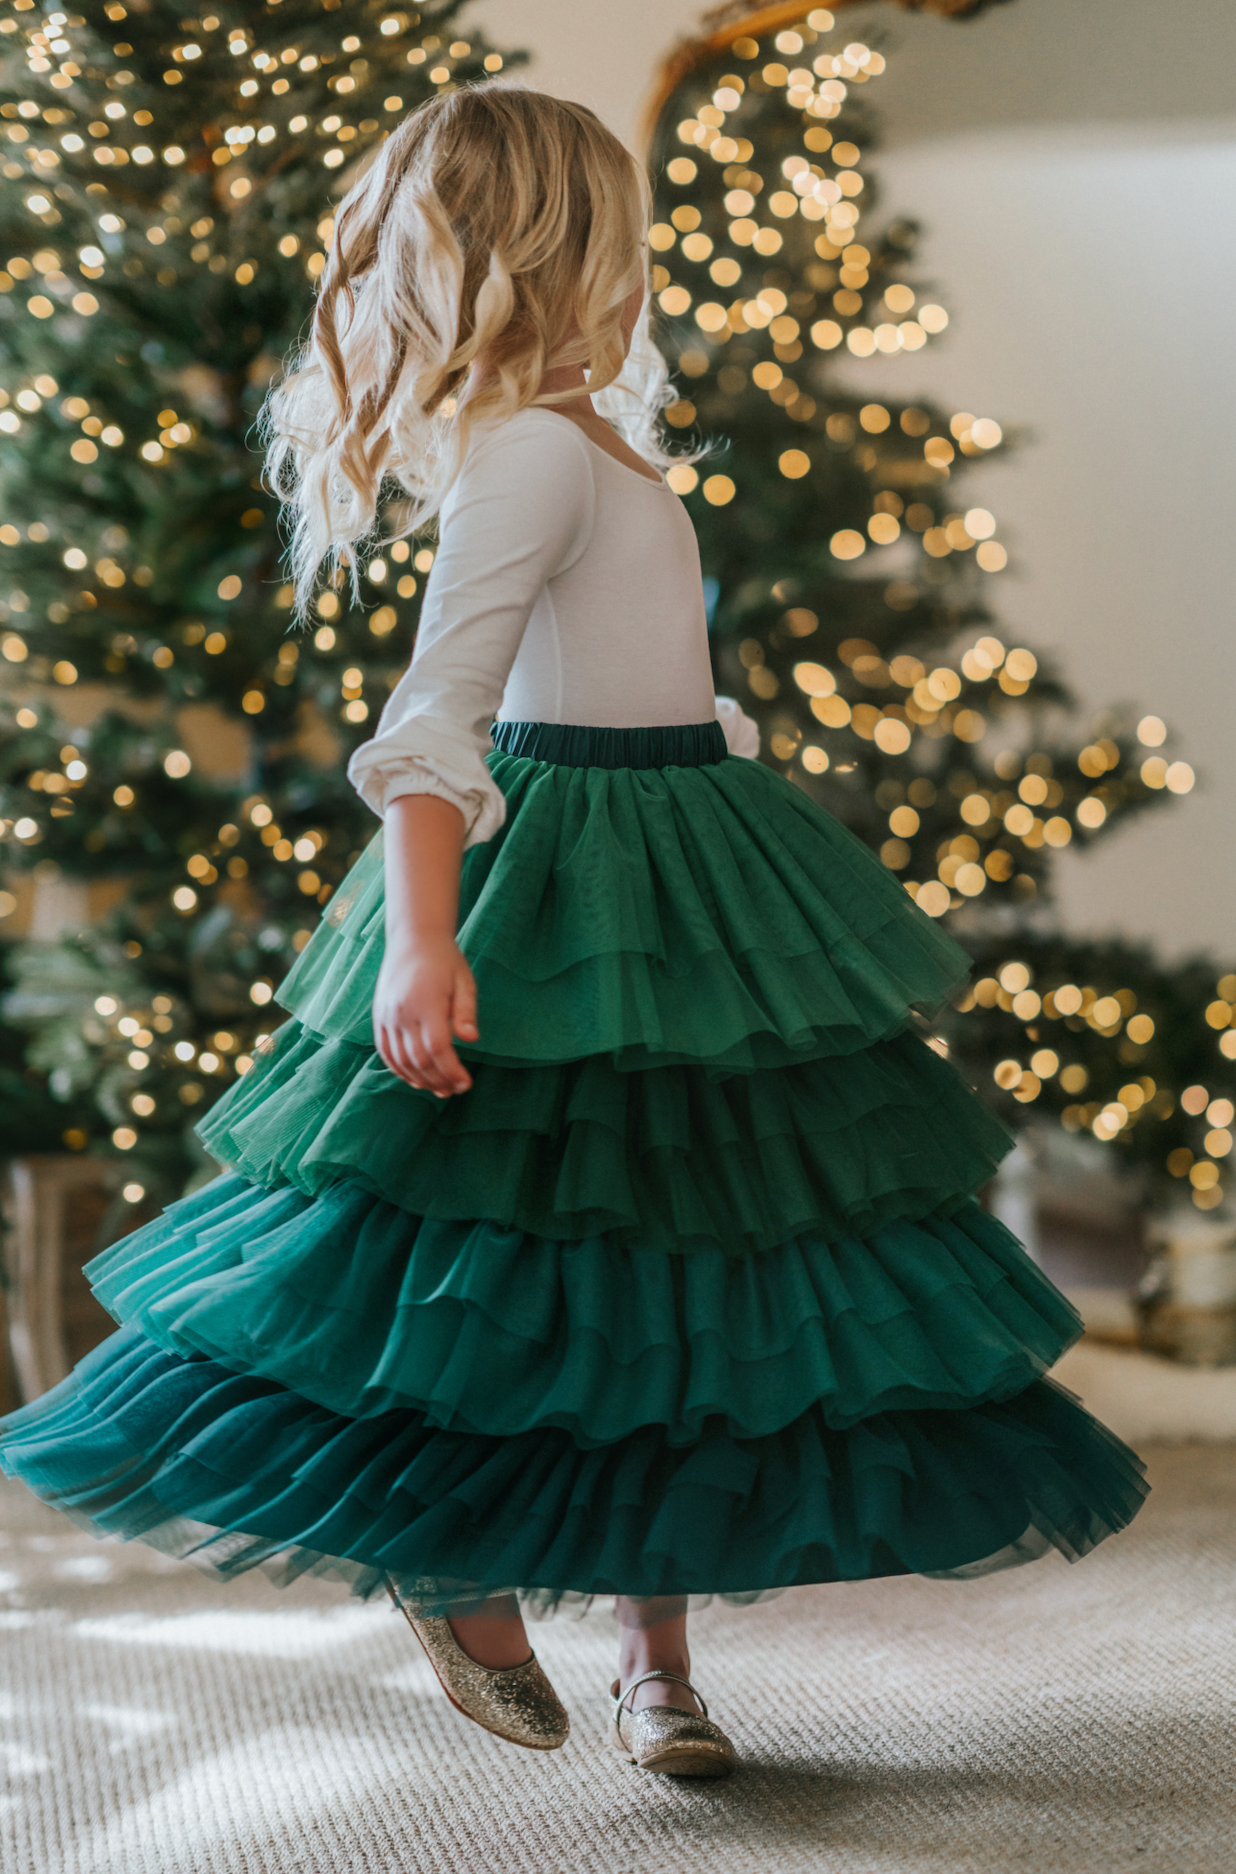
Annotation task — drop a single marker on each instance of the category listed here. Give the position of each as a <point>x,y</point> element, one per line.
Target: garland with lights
<point>852,592</point>
<point>163,737</point>
<point>764,19</point>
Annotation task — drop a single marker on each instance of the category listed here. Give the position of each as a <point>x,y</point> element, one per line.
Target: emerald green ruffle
<point>236,1471</point>
<point>690,914</point>
<point>667,1158</point>
<point>484,1329</point>
<point>462,1343</point>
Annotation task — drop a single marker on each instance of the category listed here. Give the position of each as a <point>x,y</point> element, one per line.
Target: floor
<point>1055,1720</point>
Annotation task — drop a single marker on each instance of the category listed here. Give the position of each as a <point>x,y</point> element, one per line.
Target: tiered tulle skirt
<point>688,1295</point>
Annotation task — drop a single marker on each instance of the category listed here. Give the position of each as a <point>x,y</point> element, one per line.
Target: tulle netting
<point>485,1329</point>
<point>663,1158</point>
<point>688,1295</point>
<point>240,1472</point>
<point>705,915</point>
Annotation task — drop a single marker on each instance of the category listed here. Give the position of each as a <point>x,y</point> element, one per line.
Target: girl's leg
<point>654,1639</point>
<point>492,1632</point>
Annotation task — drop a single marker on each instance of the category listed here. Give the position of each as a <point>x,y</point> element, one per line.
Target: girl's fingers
<point>421,1046</point>
<point>423,1057</point>
<point>389,1043</point>
<point>382,1045</point>
<point>463,1011</point>
<point>443,1060</point>
<point>401,1059</point>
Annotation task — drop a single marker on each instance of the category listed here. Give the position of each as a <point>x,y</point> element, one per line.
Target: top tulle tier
<point>693,915</point>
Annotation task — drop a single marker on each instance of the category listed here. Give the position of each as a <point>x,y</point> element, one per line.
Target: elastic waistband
<point>575,745</point>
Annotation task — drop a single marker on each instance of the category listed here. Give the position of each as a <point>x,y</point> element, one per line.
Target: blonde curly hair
<point>498,234</point>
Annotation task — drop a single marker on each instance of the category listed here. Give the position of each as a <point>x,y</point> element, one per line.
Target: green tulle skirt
<point>688,1295</point>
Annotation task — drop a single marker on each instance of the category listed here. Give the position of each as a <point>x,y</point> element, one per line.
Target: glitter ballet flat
<point>663,1738</point>
<point>513,1702</point>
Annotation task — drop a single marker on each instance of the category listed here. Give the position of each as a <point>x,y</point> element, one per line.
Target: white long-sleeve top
<point>566,588</point>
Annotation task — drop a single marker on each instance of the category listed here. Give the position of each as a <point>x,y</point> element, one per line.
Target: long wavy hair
<point>498,234</point>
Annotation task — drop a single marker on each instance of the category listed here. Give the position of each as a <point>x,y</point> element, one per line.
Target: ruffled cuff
<point>742,735</point>
<point>480,821</point>
<point>382,772</point>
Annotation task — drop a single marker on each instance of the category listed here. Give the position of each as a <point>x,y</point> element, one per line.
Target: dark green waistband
<point>575,745</point>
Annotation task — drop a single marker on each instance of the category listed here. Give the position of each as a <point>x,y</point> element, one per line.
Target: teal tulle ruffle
<point>668,1158</point>
<point>489,1330</point>
<point>709,914</point>
<point>238,1472</point>
<point>686,1296</point>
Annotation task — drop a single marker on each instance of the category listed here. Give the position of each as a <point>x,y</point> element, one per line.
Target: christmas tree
<point>164,210</point>
<point>853,587</point>
<point>166,739</point>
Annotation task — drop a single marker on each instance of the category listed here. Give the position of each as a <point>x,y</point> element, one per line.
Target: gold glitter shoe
<point>514,1702</point>
<point>663,1738</point>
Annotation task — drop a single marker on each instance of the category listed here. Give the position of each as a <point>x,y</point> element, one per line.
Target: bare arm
<point>425,991</point>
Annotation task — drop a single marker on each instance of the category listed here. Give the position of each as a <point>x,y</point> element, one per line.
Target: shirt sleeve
<point>742,736</point>
<point>520,512</point>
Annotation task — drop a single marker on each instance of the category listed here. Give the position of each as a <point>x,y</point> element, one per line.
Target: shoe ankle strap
<point>676,1678</point>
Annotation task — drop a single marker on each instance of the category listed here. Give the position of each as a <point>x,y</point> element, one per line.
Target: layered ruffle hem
<point>689,1294</point>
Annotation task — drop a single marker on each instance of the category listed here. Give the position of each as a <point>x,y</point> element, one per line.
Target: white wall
<point>602,53</point>
<point>1068,316</point>
<point>1074,165</point>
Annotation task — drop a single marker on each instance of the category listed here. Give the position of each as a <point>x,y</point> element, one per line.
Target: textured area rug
<point>1077,1720</point>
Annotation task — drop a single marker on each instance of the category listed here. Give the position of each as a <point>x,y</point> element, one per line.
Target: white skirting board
<point>1146,1399</point>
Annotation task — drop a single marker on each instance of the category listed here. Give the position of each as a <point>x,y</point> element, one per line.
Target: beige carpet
<point>1052,1720</point>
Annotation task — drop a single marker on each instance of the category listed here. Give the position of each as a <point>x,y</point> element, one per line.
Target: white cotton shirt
<point>566,588</point>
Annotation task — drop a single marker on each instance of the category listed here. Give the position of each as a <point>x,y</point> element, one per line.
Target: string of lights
<point>854,588</point>
<point>165,739</point>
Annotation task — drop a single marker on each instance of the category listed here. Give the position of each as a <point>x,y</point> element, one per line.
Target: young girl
<point>600,1224</point>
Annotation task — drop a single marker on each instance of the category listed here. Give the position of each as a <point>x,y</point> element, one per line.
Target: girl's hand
<point>425,994</point>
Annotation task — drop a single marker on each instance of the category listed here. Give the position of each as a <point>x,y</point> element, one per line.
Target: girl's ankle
<point>633,1665</point>
<point>654,1639</point>
<point>493,1635</point>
